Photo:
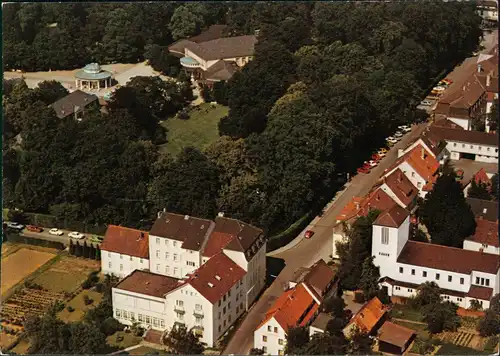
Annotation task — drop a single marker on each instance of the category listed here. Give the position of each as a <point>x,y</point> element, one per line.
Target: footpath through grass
<point>200,130</point>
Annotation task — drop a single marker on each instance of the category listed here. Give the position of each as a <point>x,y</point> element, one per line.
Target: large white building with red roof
<point>200,273</point>
<point>462,274</point>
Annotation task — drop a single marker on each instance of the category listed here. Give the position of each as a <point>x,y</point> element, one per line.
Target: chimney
<point>422,152</point>
<point>488,79</point>
<point>220,214</point>
<point>356,204</point>
<point>186,217</point>
<point>479,68</point>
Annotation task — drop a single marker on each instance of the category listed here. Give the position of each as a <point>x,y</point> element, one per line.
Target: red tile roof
<point>395,334</point>
<point>448,258</point>
<point>482,177</point>
<point>401,186</point>
<point>486,233</point>
<point>216,277</point>
<point>393,217</point>
<point>126,241</point>
<point>369,315</point>
<point>377,199</point>
<point>145,282</point>
<point>423,163</point>
<point>477,292</point>
<point>292,308</point>
<point>216,242</point>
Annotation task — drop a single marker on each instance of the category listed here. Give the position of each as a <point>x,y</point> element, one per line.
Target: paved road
<point>44,235</point>
<point>305,252</point>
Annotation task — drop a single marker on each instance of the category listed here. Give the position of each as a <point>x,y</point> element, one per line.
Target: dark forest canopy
<point>328,82</point>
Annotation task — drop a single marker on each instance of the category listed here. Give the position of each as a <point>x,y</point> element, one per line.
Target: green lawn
<point>142,350</point>
<point>128,340</point>
<point>200,130</point>
<point>451,349</point>
<point>80,308</point>
<point>402,311</point>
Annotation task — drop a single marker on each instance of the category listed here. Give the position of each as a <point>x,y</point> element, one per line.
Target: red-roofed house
<point>481,177</point>
<point>295,307</point>
<point>485,238</point>
<point>368,319</point>
<point>399,188</point>
<point>419,166</point>
<point>124,250</point>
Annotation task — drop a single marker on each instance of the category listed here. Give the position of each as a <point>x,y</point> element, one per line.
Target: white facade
<point>416,179</point>
<point>463,123</point>
<point>482,152</point>
<point>476,246</point>
<point>387,244</point>
<point>167,257</point>
<point>440,157</point>
<point>270,337</point>
<point>121,265</point>
<point>389,192</point>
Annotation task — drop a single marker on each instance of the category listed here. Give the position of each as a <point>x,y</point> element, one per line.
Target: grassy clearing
<point>78,304</point>
<point>142,350</point>
<point>128,340</point>
<point>451,349</point>
<point>402,311</point>
<point>200,130</point>
<point>67,274</point>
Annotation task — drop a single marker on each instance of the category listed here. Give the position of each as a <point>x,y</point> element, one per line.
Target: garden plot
<point>20,264</point>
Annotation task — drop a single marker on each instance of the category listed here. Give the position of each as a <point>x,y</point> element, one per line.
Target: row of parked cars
<point>54,231</point>
<point>381,153</point>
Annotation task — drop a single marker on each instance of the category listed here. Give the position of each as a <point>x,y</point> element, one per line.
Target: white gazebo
<point>92,77</point>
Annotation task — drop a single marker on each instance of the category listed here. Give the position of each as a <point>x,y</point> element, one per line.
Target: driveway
<point>303,253</point>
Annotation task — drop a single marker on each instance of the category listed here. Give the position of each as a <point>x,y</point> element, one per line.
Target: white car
<point>372,163</point>
<point>76,235</point>
<point>56,232</point>
<point>391,139</point>
<point>404,128</point>
<point>398,134</point>
<point>14,225</point>
<point>439,88</point>
<point>426,103</point>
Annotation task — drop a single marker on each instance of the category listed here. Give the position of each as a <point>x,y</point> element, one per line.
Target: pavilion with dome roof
<point>93,77</point>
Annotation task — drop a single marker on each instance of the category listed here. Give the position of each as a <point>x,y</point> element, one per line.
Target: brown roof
<point>401,186</point>
<point>216,242</point>
<point>228,47</point>
<point>486,233</point>
<point>395,334</point>
<point>190,230</point>
<point>448,258</point>
<point>126,241</point>
<point>72,102</point>
<point>485,209</point>
<point>221,70</point>
<point>433,143</point>
<point>180,45</point>
<point>318,278</point>
<point>213,32</point>
<point>145,282</point>
<point>216,277</point>
<point>369,315</point>
<point>246,238</point>
<point>292,308</point>
<point>393,217</point>
<point>465,136</point>
<point>461,96</point>
<point>477,292</point>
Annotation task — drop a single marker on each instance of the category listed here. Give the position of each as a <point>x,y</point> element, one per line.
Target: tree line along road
<point>307,252</point>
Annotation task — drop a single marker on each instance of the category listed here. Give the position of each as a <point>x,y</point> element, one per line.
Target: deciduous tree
<point>370,276</point>
<point>297,339</point>
<point>441,316</point>
<point>183,341</point>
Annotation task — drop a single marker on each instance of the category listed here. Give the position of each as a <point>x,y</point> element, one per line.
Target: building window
<point>118,313</point>
<point>459,299</point>
<point>190,263</point>
<point>166,255</point>
<point>109,254</point>
<point>264,348</point>
<point>166,242</point>
<point>280,341</point>
<point>109,265</point>
<point>140,260</point>
<point>130,258</point>
<point>437,276</point>
<point>175,271</point>
<point>179,303</point>
<point>175,257</point>
<point>400,269</point>
<point>471,146</point>
<point>224,298</point>
<point>180,316</point>
<point>175,243</point>
<point>477,280</point>
<point>269,328</point>
<point>410,290</point>
<point>157,240</point>
<point>148,319</point>
<point>241,305</point>
<point>162,323</point>
<point>229,318</point>
<point>125,314</point>
<point>158,253</point>
<point>167,269</point>
<point>463,145</point>
<point>412,272</point>
<point>450,278</point>
<point>229,305</point>
<point>219,315</point>
<point>157,267</point>
<point>264,338</point>
<point>121,267</point>
<point>141,317</point>
<point>487,282</point>
<point>276,329</point>
<point>424,273</point>
<point>224,310</point>
<point>197,307</point>
<point>397,288</point>
<point>132,316</point>
<point>454,144</point>
<point>488,149</point>
<point>385,236</point>
<point>461,281</point>
<point>237,296</point>
<point>220,327</point>
<point>419,185</point>
<point>237,309</point>
<point>219,303</point>
<point>413,174</point>
<point>479,147</point>
<point>198,320</point>
<point>224,323</point>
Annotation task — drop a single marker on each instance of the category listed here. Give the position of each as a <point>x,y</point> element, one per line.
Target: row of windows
<point>438,275</point>
<point>264,338</point>
<point>483,281</point>
<point>167,269</point>
<point>264,348</point>
<point>472,147</point>
<point>174,243</point>
<point>180,303</point>
<point>124,314</point>
<point>270,329</point>
<point>121,257</point>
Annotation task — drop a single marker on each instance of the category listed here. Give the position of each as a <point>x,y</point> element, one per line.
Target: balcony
<point>179,309</point>
<point>189,62</point>
<point>198,313</point>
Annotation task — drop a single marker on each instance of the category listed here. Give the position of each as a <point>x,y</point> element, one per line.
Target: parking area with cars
<point>52,234</point>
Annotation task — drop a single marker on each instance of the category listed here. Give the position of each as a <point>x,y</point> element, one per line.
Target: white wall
<point>487,153</point>
<point>416,179</point>
<point>314,330</point>
<point>394,197</point>
<point>121,265</point>
<point>476,246</point>
<point>385,256</point>
<point>153,307</point>
<point>463,123</point>
<point>273,331</point>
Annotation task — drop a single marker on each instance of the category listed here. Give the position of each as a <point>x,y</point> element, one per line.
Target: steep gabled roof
<point>369,315</point>
<point>126,241</point>
<point>393,217</point>
<point>401,186</point>
<point>318,278</point>
<point>376,199</point>
<point>395,334</point>
<point>72,102</point>
<point>482,177</point>
<point>486,233</point>
<point>246,238</point>
<point>147,283</point>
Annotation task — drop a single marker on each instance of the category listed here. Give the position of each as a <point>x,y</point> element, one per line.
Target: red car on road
<point>365,169</point>
<point>376,157</point>
<point>309,234</point>
<point>34,228</point>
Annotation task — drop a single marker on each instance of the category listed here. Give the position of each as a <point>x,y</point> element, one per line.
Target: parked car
<point>398,135</point>
<point>382,150</point>
<point>381,154</point>
<point>371,163</point>
<point>364,170</point>
<point>34,228</point>
<point>426,103</point>
<point>376,157</point>
<point>56,232</point>
<point>76,235</point>
<point>15,226</point>
<point>439,88</point>
<point>447,81</point>
<point>391,140</point>
<point>96,238</point>
<point>309,234</point>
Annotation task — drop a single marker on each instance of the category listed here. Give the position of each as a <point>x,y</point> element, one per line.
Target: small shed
<point>394,338</point>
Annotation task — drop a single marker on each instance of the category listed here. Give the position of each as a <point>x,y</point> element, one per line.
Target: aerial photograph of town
<point>250,178</point>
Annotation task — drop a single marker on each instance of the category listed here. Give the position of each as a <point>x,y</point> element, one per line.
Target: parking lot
<point>44,235</point>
